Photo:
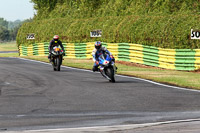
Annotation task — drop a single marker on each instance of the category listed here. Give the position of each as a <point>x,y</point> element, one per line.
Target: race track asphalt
<point>33,96</point>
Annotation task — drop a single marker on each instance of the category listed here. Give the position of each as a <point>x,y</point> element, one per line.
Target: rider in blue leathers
<point>99,50</point>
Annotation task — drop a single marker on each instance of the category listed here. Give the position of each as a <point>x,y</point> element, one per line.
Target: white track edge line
<point>131,126</point>
<point>115,127</point>
<point>146,80</point>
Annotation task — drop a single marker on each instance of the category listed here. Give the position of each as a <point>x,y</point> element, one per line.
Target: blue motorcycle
<point>107,67</point>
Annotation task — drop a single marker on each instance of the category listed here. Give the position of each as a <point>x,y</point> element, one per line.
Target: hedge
<point>170,31</point>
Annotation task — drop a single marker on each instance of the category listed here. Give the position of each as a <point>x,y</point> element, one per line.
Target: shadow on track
<point>118,82</point>
<point>125,82</point>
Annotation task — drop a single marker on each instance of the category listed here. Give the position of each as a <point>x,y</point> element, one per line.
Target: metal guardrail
<point>177,59</point>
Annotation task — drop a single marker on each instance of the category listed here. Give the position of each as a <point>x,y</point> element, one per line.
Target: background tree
<point>4,34</point>
<point>4,23</point>
<point>9,29</point>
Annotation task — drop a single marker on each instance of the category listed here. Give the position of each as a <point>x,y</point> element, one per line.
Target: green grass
<point>9,54</point>
<point>9,46</point>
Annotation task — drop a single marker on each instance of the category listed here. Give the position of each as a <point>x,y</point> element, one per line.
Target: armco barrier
<point>177,59</point>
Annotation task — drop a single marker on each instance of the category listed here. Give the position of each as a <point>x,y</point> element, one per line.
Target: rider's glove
<point>96,62</point>
<point>111,56</point>
<point>63,52</point>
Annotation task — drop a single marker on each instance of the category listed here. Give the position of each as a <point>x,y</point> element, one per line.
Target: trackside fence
<point>177,59</point>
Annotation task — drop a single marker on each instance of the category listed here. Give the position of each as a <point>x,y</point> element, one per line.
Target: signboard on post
<point>195,34</point>
<point>30,36</point>
<point>96,33</point>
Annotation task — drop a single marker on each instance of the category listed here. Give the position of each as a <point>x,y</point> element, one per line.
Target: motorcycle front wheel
<point>58,64</point>
<point>110,74</point>
<point>54,64</point>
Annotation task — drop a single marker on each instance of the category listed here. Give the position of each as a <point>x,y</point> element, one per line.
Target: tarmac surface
<point>34,97</point>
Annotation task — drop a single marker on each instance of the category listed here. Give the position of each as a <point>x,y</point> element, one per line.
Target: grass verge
<point>8,46</point>
<point>171,77</point>
<point>9,54</point>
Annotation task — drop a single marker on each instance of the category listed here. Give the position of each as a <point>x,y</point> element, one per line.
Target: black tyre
<point>110,74</point>
<point>58,64</point>
<point>54,64</point>
<point>61,59</point>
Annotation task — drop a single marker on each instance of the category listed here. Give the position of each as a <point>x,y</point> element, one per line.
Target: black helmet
<point>98,45</point>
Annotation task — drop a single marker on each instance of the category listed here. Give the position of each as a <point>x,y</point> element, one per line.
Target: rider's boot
<point>116,68</point>
<point>49,57</point>
<point>95,68</point>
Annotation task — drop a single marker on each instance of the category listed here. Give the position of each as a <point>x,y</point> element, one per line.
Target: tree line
<point>9,29</point>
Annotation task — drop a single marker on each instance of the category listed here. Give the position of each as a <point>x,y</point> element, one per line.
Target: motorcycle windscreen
<point>101,59</point>
<point>108,57</point>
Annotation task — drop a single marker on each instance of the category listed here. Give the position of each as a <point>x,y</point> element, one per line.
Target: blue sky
<point>12,10</point>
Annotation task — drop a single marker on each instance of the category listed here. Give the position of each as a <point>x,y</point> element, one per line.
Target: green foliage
<point>4,23</point>
<point>4,34</point>
<point>100,8</point>
<point>172,31</point>
<point>12,25</point>
<point>162,23</point>
<point>9,29</point>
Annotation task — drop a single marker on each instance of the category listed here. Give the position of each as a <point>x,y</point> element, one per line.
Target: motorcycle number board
<point>96,33</point>
<point>195,34</point>
<point>30,36</point>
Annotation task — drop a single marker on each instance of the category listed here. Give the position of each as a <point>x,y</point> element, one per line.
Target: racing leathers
<point>96,53</point>
<point>54,43</point>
